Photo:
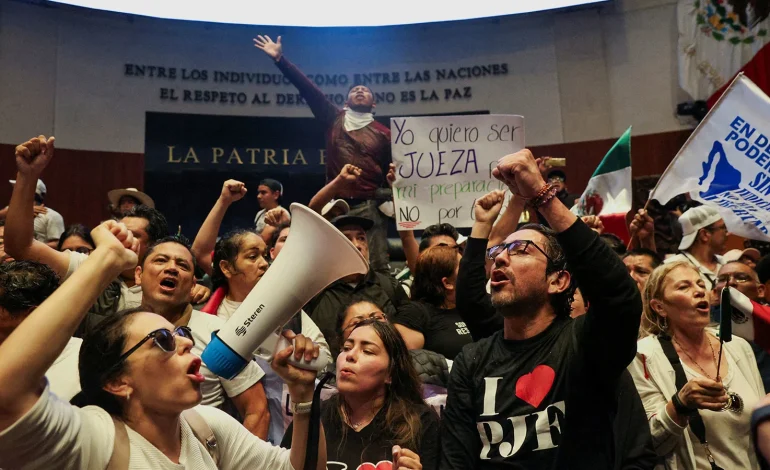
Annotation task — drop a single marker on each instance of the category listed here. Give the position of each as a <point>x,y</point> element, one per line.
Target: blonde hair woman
<point>697,413</point>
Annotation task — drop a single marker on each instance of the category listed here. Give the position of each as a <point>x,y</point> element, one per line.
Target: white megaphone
<point>315,255</point>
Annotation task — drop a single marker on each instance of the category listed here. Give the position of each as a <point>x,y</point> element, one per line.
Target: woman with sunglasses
<point>431,320</point>
<point>378,415</point>
<point>138,370</point>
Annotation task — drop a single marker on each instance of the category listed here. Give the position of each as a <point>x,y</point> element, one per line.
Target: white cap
<point>339,203</point>
<point>461,239</point>
<point>695,219</point>
<point>40,189</point>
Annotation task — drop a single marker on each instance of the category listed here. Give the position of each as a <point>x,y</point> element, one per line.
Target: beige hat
<point>115,195</point>
<point>695,219</point>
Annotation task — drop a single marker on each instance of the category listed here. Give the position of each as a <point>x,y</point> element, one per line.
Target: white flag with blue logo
<point>726,162</point>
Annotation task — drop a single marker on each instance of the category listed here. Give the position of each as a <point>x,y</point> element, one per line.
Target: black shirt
<point>548,402</point>
<point>371,444</point>
<point>443,329</point>
<point>325,308</point>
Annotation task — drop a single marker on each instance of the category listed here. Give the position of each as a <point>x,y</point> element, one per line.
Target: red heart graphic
<point>381,465</point>
<point>533,387</point>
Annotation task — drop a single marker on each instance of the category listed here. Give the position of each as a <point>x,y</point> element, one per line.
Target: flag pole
<point>687,142</point>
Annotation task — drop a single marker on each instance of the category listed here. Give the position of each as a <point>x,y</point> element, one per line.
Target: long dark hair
<point>98,360</point>
<point>433,265</point>
<point>227,249</point>
<point>403,398</point>
<point>76,230</point>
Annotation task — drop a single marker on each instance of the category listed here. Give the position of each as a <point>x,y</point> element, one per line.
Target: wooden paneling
<point>78,180</point>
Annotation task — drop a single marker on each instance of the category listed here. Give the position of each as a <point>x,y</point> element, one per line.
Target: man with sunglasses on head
<point>542,392</point>
<point>704,235</point>
<point>166,275</point>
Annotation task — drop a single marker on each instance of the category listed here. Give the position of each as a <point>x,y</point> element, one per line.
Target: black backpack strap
<point>696,422</point>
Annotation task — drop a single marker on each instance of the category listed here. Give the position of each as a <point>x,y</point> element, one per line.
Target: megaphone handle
<point>316,364</point>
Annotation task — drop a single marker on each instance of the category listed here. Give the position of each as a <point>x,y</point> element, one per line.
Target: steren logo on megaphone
<point>253,316</point>
<point>240,331</point>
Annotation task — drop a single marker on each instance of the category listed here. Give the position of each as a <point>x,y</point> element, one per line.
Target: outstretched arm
<point>35,344</point>
<point>507,222</point>
<point>347,177</point>
<point>206,239</point>
<point>615,303</point>
<point>322,108</point>
<point>473,302</point>
<point>31,159</point>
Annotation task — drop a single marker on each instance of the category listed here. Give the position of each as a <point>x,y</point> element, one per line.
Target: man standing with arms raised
<point>354,137</point>
<point>541,393</point>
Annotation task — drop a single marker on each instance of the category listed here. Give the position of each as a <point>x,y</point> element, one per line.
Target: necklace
<point>713,355</point>
<point>734,401</point>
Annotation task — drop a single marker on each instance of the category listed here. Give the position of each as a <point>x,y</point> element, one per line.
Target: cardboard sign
<point>444,163</point>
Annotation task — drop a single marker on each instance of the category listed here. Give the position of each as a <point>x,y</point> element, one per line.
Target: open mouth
<point>703,305</point>
<point>194,371</point>
<point>168,283</point>
<point>497,278</point>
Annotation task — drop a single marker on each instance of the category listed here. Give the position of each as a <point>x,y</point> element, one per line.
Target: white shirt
<point>259,220</point>
<point>54,434</point>
<point>63,375</point>
<point>214,387</point>
<point>728,433</point>
<point>709,277</point>
<point>48,226</point>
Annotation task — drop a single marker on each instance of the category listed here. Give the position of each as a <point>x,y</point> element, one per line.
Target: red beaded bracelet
<point>546,193</point>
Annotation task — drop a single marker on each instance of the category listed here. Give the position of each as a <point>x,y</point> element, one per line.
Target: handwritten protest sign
<point>726,162</point>
<point>444,163</point>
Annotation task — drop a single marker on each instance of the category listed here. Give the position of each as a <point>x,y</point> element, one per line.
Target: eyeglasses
<point>163,338</point>
<point>740,278</point>
<point>516,247</point>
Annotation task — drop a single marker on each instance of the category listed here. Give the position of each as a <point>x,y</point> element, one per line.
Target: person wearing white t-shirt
<point>140,374</point>
<point>48,224</point>
<point>269,194</point>
<point>145,223</point>
<point>166,276</point>
<point>23,286</point>
<point>704,238</point>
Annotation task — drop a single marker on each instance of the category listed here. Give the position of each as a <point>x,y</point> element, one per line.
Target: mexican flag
<point>750,320</point>
<point>608,193</point>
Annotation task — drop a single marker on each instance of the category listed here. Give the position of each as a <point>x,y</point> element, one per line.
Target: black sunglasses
<point>514,248</point>
<point>163,338</point>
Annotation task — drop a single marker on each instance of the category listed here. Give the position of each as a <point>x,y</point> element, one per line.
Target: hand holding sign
<point>520,172</point>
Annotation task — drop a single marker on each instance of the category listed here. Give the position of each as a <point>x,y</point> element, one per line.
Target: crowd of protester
<point>542,345</point>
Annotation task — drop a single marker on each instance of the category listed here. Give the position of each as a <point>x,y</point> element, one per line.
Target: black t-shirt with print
<point>548,402</point>
<point>444,330</point>
<point>371,448</point>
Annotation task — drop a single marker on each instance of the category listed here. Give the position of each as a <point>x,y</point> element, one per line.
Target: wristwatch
<point>680,407</point>
<point>301,408</point>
